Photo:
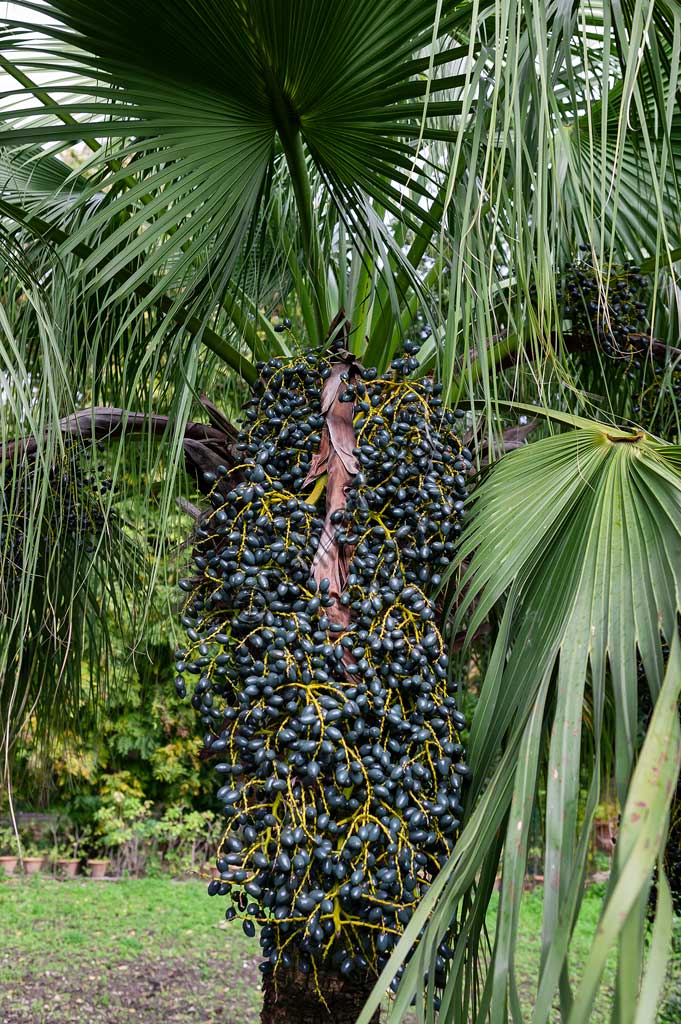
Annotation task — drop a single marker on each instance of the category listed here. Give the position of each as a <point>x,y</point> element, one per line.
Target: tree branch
<point>205,447</point>
<point>504,348</point>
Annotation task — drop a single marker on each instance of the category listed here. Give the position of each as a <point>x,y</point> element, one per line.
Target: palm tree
<point>422,166</point>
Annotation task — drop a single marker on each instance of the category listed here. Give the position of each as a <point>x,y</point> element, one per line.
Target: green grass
<point>528,948</point>
<point>119,918</point>
<point>139,951</point>
<point>154,950</point>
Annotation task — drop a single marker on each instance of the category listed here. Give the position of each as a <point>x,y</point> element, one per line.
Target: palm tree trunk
<point>294,999</point>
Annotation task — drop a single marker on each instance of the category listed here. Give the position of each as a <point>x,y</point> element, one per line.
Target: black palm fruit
<point>607,313</point>
<point>320,675</point>
<point>609,309</point>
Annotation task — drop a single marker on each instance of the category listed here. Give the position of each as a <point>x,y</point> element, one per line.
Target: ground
<point>156,951</point>
<point>142,950</point>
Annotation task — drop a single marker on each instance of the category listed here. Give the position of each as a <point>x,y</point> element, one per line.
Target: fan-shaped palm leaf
<point>579,535</point>
<point>201,100</point>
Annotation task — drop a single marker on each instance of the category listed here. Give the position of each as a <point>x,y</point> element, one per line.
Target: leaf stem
<point>295,158</point>
<point>317,490</point>
<point>288,130</point>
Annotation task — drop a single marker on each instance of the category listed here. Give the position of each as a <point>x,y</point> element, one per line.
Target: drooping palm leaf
<point>58,540</point>
<point>580,147</point>
<point>579,536</point>
<point>640,845</point>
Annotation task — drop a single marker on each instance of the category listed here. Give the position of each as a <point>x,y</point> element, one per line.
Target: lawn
<point>156,951</point>
<point>144,950</point>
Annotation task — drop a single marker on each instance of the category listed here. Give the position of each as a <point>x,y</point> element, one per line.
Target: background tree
<point>437,172</point>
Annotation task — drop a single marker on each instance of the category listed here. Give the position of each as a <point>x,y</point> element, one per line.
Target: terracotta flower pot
<point>8,864</point>
<point>32,865</point>
<point>97,868</point>
<point>68,867</point>
<point>604,837</point>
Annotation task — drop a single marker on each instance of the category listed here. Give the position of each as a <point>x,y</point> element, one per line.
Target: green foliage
<point>126,830</point>
<point>8,845</point>
<point>125,784</point>
<point>670,1010</point>
<point>187,839</point>
<point>442,160</point>
<point>136,729</point>
<point>123,819</point>
<point>209,145</point>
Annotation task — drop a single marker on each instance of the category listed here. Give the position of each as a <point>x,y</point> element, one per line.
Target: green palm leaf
<point>196,103</point>
<point>640,844</point>
<point>579,537</point>
<point>504,132</point>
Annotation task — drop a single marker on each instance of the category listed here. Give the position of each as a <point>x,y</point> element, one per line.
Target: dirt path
<point>139,991</point>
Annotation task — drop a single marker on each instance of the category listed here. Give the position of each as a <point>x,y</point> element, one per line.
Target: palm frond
<point>58,593</point>
<point>197,125</point>
<point>575,144</point>
<point>577,538</point>
<point>640,847</point>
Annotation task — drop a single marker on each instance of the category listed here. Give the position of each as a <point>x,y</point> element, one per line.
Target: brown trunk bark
<point>205,446</point>
<point>294,999</point>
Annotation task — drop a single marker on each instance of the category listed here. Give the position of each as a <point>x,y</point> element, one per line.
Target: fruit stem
<point>317,490</point>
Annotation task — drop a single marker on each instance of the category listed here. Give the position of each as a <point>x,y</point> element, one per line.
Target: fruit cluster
<point>612,311</point>
<point>322,677</point>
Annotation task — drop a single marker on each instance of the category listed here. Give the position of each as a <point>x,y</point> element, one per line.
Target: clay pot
<point>8,864</point>
<point>68,867</point>
<point>32,865</point>
<point>605,839</point>
<point>98,868</point>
